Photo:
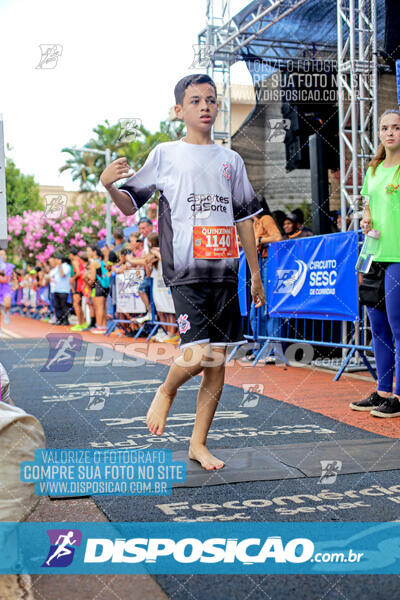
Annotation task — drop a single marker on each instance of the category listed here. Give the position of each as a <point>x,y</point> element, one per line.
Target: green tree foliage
<point>86,168</point>
<point>21,190</point>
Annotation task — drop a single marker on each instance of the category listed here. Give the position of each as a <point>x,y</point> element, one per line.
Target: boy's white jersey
<point>200,186</point>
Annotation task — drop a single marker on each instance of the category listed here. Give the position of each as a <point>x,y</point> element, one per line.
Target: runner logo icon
<point>98,396</point>
<point>291,281</point>
<point>251,394</point>
<point>62,351</point>
<point>330,470</point>
<point>62,547</point>
<point>183,323</point>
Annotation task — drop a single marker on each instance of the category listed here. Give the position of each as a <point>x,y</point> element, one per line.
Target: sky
<point>119,60</point>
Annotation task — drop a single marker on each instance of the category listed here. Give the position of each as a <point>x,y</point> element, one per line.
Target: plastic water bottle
<point>368,251</point>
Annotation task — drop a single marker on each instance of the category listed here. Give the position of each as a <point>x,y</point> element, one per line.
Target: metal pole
<point>342,123</point>
<point>108,213</point>
<point>354,99</point>
<point>375,108</point>
<point>342,134</point>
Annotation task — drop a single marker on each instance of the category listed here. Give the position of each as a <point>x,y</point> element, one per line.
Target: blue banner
<point>209,548</point>
<point>314,277</point>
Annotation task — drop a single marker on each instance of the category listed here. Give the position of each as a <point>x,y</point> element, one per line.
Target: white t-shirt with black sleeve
<point>200,185</point>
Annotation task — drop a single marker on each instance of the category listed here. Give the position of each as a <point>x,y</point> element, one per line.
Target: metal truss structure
<point>356,54</point>
<point>358,96</point>
<point>219,28</point>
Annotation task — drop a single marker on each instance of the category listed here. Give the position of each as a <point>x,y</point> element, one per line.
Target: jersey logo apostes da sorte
<point>183,323</point>
<point>202,205</point>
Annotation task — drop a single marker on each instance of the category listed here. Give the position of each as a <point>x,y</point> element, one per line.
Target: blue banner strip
<point>204,548</point>
<point>314,278</point>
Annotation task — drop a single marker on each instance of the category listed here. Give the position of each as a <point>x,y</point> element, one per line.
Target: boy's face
<point>199,109</point>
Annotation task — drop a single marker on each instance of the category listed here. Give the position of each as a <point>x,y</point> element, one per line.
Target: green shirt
<point>385,210</point>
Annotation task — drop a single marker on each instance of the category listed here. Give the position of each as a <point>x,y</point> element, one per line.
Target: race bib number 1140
<point>215,242</point>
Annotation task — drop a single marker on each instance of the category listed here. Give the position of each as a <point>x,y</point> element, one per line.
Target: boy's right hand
<point>118,169</point>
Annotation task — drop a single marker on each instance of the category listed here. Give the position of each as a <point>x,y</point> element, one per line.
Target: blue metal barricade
<point>153,323</point>
<point>345,335</point>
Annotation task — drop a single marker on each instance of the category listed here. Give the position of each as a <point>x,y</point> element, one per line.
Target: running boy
<point>204,193</point>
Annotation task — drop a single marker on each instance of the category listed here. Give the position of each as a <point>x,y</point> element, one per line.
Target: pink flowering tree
<point>33,235</point>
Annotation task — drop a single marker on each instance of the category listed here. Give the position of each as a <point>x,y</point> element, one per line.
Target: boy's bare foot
<point>205,458</point>
<point>158,411</point>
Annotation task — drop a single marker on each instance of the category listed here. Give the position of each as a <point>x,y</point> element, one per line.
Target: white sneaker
<point>98,330</point>
<point>160,336</point>
<point>147,317</point>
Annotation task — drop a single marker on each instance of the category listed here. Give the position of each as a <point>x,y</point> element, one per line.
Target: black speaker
<point>319,186</point>
<point>392,30</point>
<point>307,120</point>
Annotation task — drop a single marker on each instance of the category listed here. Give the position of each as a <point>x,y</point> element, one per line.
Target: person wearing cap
<point>294,229</point>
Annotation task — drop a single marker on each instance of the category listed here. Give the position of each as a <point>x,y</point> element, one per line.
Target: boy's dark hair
<point>123,252</point>
<point>74,251</point>
<point>183,83</point>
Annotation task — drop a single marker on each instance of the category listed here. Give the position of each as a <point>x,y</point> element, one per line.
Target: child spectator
<point>162,296</point>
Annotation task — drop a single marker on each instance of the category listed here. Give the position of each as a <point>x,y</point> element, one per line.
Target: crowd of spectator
<point>81,283</point>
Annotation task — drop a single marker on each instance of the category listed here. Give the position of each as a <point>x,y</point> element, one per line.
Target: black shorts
<point>208,312</point>
<point>100,292</point>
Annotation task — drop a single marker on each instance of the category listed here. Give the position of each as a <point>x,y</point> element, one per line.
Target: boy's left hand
<point>257,291</point>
